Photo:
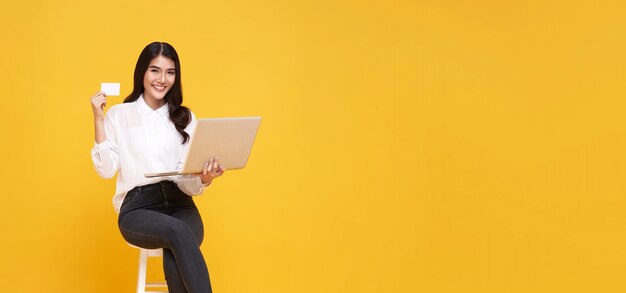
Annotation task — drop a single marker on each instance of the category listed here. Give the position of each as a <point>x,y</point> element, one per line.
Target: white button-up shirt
<point>141,140</point>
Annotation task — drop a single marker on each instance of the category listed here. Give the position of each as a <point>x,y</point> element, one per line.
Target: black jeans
<point>160,215</point>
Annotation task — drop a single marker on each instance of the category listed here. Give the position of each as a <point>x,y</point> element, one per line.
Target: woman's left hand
<point>212,169</point>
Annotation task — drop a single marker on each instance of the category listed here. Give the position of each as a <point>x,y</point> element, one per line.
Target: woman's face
<point>158,79</point>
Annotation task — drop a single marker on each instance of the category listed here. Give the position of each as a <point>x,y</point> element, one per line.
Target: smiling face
<point>158,80</point>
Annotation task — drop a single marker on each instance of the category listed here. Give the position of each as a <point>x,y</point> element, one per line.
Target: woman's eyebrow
<point>159,68</point>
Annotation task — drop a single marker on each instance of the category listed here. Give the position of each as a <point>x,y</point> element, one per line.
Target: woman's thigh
<point>151,229</point>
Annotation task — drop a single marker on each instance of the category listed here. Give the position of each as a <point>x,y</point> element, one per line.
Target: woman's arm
<point>104,153</point>
<point>98,102</point>
<point>194,184</point>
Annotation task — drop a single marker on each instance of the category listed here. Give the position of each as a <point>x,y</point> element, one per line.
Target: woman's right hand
<point>98,101</point>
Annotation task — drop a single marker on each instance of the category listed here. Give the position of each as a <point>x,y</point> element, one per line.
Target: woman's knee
<point>178,233</point>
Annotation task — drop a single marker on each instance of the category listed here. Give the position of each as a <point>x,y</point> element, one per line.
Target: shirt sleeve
<point>189,183</point>
<point>105,157</point>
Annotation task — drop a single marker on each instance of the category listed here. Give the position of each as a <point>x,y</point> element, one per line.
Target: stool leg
<point>141,278</point>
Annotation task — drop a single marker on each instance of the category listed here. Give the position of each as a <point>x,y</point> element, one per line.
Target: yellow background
<point>406,146</point>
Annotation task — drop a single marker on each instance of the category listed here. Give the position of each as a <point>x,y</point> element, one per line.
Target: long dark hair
<point>180,115</point>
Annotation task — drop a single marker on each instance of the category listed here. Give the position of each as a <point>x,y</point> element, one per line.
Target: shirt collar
<point>145,109</point>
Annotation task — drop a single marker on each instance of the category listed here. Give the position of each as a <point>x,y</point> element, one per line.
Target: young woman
<point>149,133</point>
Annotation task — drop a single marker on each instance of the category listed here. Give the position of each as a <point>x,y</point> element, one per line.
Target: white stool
<point>144,254</point>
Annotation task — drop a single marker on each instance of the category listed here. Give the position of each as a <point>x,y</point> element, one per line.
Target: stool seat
<point>144,254</point>
<point>151,252</point>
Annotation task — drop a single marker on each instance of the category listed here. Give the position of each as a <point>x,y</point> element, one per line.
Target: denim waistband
<point>153,186</point>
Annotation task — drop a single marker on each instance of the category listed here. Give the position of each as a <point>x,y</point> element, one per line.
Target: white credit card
<point>110,88</point>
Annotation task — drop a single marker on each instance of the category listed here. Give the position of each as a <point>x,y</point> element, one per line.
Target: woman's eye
<point>171,73</point>
<point>153,70</point>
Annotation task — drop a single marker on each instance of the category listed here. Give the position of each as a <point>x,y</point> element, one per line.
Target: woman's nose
<point>162,79</point>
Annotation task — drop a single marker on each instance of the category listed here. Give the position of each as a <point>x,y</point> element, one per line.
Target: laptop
<point>228,139</point>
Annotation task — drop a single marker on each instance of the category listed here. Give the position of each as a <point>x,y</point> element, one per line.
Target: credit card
<point>110,88</point>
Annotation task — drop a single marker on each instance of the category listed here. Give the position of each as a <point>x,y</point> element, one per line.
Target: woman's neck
<point>153,103</point>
